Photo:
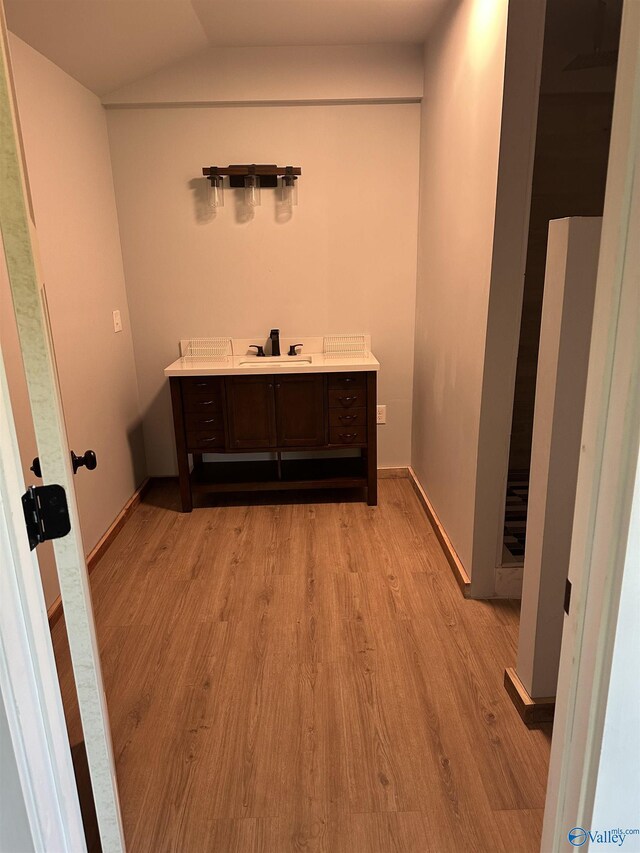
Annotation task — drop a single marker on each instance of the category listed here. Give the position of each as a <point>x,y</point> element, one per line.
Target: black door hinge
<point>567,596</point>
<point>46,513</point>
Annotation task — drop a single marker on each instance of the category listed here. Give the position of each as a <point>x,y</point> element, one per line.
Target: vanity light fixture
<point>252,178</point>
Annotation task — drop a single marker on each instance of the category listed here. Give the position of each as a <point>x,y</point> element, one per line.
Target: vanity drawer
<point>204,421</point>
<point>348,435</point>
<point>204,439</point>
<point>201,384</point>
<point>347,381</point>
<point>353,417</point>
<point>202,401</point>
<point>347,399</point>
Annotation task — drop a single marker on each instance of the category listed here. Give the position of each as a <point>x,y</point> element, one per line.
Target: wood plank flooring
<point>294,676</point>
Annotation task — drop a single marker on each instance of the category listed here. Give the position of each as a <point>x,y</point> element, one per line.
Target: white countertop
<point>241,365</point>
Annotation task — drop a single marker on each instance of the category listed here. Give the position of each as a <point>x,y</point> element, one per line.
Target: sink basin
<point>270,362</point>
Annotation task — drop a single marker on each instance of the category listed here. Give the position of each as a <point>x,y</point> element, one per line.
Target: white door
<point>27,287</point>
<point>39,806</point>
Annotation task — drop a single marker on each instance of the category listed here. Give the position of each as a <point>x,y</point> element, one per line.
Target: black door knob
<point>88,459</point>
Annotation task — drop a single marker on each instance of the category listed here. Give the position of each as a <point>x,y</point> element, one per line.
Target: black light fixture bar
<point>267,174</point>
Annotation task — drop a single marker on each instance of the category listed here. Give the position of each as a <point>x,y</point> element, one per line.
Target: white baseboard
<point>509,581</point>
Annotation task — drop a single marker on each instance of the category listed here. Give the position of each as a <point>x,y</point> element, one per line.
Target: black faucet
<point>275,341</point>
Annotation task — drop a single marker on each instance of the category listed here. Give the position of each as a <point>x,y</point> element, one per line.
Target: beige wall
<point>344,262</point>
<point>461,111</point>
<point>239,74</point>
<point>67,156</point>
<point>482,70</point>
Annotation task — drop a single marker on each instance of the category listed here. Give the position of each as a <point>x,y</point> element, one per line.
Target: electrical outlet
<point>381,414</point>
<point>117,321</point>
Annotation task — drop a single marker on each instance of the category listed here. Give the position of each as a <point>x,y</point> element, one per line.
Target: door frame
<point>607,472</point>
<point>19,237</point>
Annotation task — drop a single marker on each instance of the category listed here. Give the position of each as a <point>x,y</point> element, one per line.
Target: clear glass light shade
<point>216,192</point>
<point>251,191</point>
<point>288,191</point>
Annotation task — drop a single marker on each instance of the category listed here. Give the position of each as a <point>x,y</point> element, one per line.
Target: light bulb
<point>288,191</point>
<point>216,191</point>
<point>251,191</point>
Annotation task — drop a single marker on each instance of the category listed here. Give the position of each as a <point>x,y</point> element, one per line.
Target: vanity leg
<point>184,477</point>
<point>372,440</point>
<point>184,474</point>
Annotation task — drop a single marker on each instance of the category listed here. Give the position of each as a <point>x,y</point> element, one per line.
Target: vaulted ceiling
<point>105,44</point>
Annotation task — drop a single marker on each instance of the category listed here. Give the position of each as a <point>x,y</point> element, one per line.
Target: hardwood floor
<point>307,677</point>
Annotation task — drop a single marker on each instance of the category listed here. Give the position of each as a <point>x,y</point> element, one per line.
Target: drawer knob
<point>347,417</point>
<point>347,399</point>
<point>347,435</point>
<point>207,402</point>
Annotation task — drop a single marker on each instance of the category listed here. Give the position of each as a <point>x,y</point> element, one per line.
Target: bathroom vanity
<point>310,405</point>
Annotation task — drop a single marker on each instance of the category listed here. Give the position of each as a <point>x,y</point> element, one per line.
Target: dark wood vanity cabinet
<point>275,413</point>
<point>251,417</point>
<point>269,412</point>
<point>300,407</point>
<point>203,414</point>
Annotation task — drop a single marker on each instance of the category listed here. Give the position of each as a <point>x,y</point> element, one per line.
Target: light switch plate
<point>381,415</point>
<point>117,321</point>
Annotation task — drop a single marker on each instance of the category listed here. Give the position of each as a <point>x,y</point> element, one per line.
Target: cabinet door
<point>251,416</point>
<point>300,412</point>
